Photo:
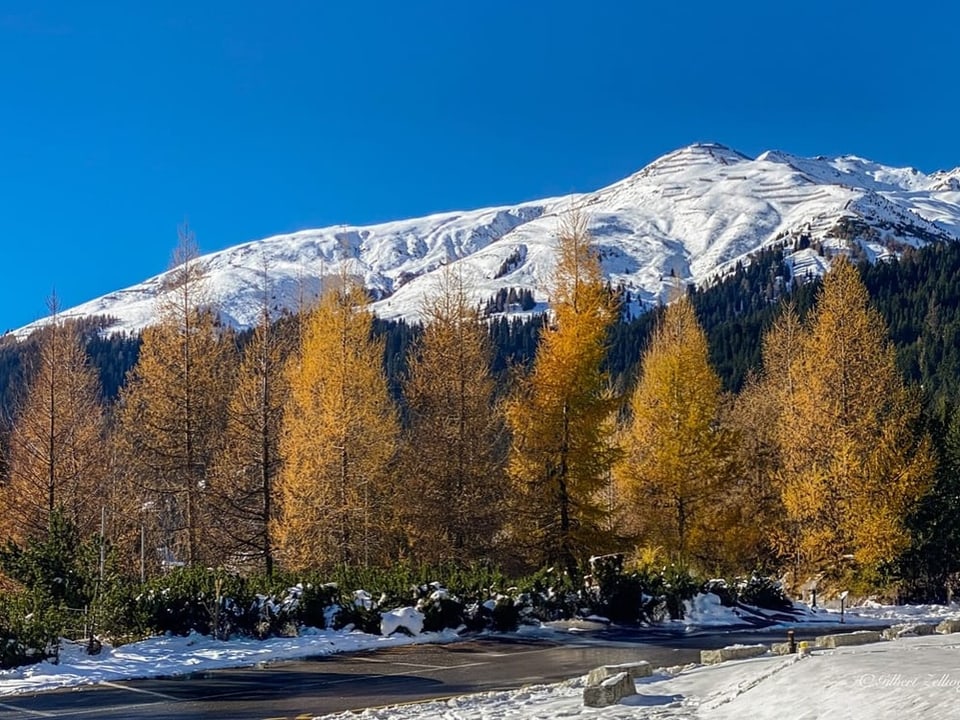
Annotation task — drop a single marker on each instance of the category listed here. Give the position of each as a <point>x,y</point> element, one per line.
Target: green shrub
<point>57,566</point>
<point>195,599</point>
<point>678,585</point>
<point>315,604</point>
<point>552,595</point>
<point>722,589</point>
<point>121,617</point>
<point>615,594</point>
<point>29,632</point>
<point>477,597</point>
<point>440,609</point>
<point>763,592</point>
<point>504,613</point>
<point>362,613</point>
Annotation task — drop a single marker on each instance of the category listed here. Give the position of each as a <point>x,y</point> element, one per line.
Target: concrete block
<point>948,626</point>
<point>731,652</point>
<point>908,630</point>
<point>635,670</point>
<point>782,648</point>
<point>610,691</point>
<point>860,637</point>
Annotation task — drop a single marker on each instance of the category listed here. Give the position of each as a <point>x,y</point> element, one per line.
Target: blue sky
<point>250,118</point>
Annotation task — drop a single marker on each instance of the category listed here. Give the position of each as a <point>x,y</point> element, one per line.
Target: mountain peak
<point>698,154</point>
<point>690,214</point>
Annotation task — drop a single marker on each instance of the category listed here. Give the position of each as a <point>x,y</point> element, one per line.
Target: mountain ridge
<point>691,214</point>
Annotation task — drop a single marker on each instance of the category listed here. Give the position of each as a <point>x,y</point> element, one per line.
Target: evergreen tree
<point>930,567</point>
<point>560,416</point>
<point>339,436</point>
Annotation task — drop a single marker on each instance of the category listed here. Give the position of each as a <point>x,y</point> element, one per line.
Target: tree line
<point>297,446</point>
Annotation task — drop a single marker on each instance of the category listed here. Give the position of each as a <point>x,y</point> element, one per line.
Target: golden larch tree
<point>853,461</point>
<point>756,415</point>
<point>173,410</point>
<point>56,458</point>
<point>453,452</point>
<point>678,458</point>
<point>247,467</point>
<point>560,416</point>
<point>339,437</point>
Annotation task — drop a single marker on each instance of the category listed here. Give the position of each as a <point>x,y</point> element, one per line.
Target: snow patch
<point>408,618</point>
<point>705,610</point>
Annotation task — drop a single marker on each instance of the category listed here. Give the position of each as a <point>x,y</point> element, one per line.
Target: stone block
<point>610,691</point>
<point>860,637</point>
<point>635,670</point>
<point>731,652</point>
<point>908,630</point>
<point>948,626</point>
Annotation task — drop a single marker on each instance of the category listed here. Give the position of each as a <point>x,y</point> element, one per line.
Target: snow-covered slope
<point>692,213</point>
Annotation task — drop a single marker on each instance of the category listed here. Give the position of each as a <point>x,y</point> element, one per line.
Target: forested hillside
<point>537,443</point>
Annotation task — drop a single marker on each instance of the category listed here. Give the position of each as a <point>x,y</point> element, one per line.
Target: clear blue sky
<point>251,118</point>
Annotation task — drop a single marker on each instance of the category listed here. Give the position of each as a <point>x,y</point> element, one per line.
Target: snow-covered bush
<point>281,608</point>
<point>763,592</point>
<point>441,609</point>
<point>722,589</point>
<point>551,594</point>
<point>678,586</point>
<point>614,594</point>
<point>407,620</point>
<point>501,613</point>
<point>756,590</point>
<point>29,633</point>
<point>646,593</point>
<point>195,599</point>
<point>362,613</point>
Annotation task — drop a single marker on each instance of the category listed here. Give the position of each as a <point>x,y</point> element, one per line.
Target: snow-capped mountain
<point>692,213</point>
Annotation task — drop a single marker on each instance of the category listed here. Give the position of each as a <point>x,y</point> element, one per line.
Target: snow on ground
<point>886,680</point>
<point>907,678</point>
<point>875,612</point>
<point>165,656</point>
<point>705,610</point>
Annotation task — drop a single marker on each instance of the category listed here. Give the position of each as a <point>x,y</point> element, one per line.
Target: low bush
<point>550,594</point>
<point>29,632</point>
<point>506,613</point>
<point>195,599</point>
<point>216,602</point>
<point>723,590</point>
<point>441,610</point>
<point>763,592</point>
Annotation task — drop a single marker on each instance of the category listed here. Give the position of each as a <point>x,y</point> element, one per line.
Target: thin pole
<point>103,535</point>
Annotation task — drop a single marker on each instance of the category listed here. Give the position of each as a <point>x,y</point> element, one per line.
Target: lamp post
<point>146,507</point>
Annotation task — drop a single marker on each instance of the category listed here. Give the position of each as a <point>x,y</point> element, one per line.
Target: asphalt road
<point>384,677</point>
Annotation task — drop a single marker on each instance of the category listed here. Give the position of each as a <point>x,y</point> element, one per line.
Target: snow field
<point>906,678</point>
